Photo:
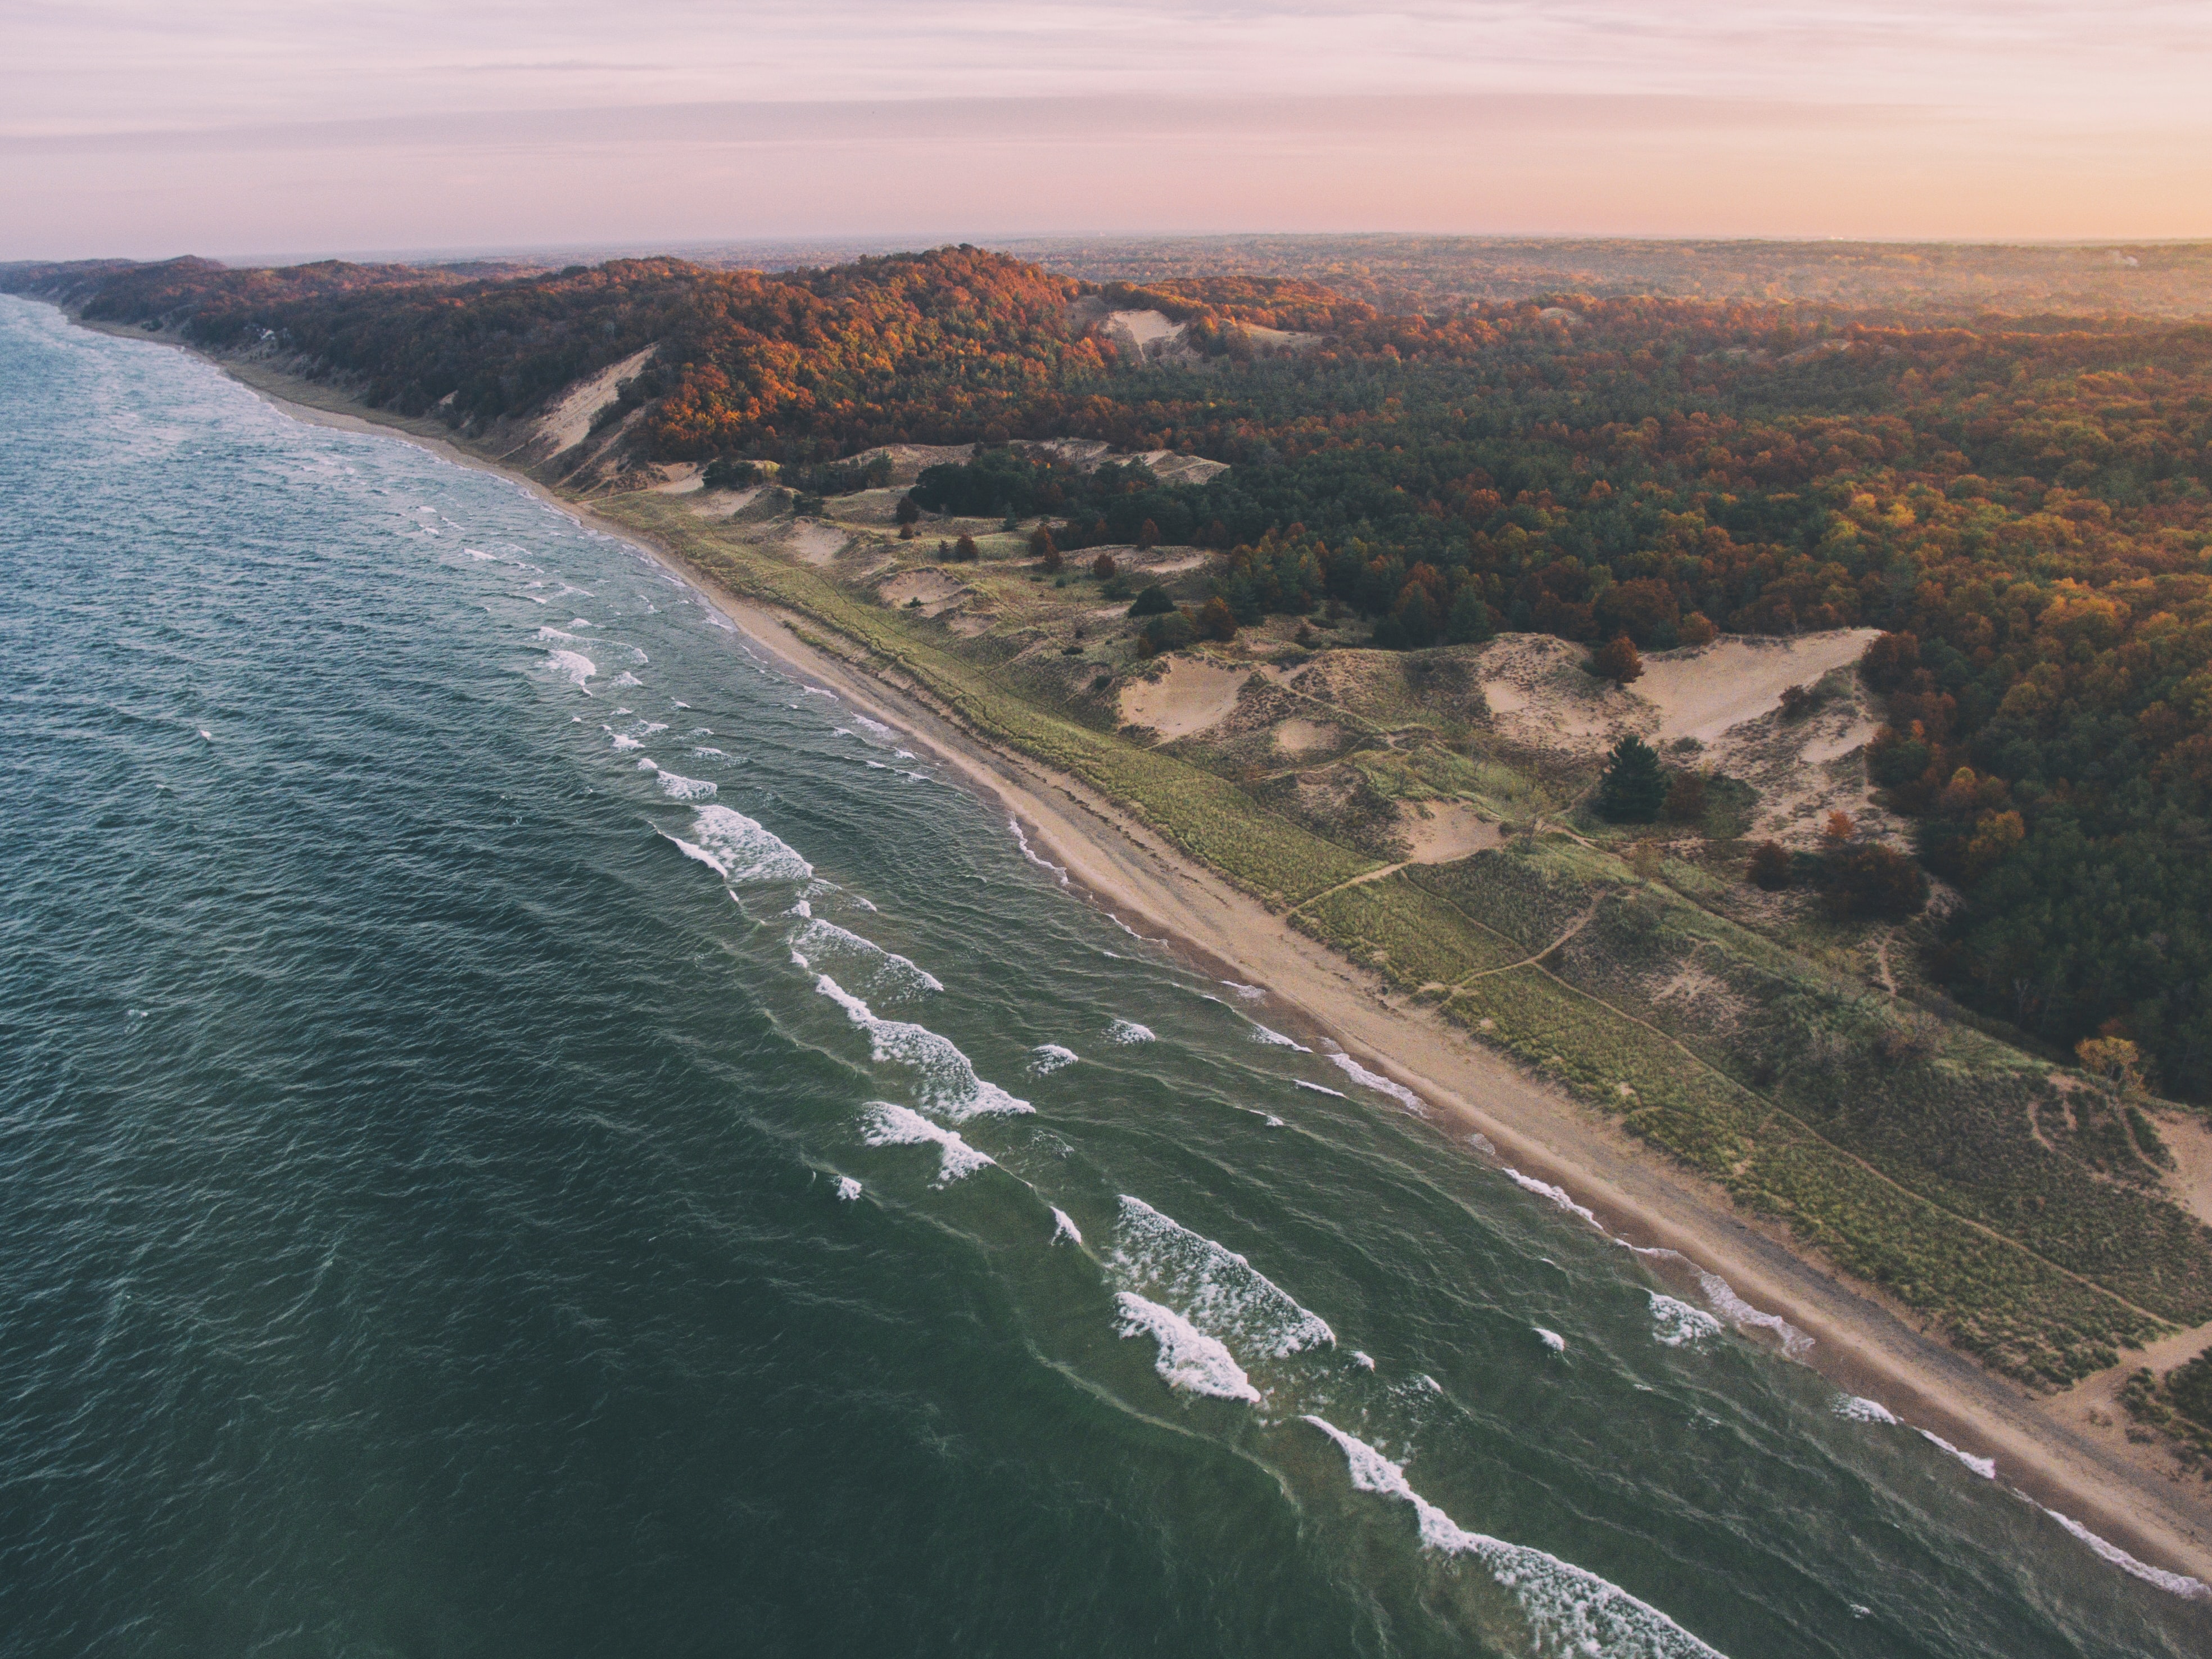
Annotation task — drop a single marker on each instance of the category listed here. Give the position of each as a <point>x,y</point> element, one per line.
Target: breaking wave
<point>901,1126</point>
<point>2181,1584</point>
<point>889,973</point>
<point>1678,1324</point>
<point>946,1081</point>
<point>1127,1030</point>
<point>1189,1359</point>
<point>1049,1057</point>
<point>1569,1608</point>
<point>1217,1288</point>
<point>751,853</point>
<point>1381,1085</point>
<point>1984,1467</point>
<point>573,667</point>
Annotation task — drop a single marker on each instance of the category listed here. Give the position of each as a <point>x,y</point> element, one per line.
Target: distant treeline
<point>2023,508</point>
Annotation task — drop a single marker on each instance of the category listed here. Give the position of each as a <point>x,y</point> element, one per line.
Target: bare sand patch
<point>1440,831</point>
<point>2189,1182</point>
<point>1142,329</point>
<point>935,589</point>
<point>716,504</point>
<point>1702,691</point>
<point>814,542</point>
<point>908,460</point>
<point>1190,696</point>
<point>1302,737</point>
<point>569,422</point>
<point>1170,467</point>
<point>1503,696</point>
<point>1837,745</point>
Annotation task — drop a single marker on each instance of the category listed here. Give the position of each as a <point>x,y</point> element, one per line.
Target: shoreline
<point>1859,1343</point>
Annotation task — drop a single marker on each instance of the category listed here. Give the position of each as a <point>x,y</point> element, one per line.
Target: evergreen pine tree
<point>1635,785</point>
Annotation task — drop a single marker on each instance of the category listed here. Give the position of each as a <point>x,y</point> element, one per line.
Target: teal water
<point>523,1130</point>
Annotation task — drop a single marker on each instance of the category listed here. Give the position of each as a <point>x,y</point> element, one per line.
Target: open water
<point>526,1130</point>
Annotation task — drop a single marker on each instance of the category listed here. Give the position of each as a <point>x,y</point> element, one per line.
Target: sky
<point>298,128</point>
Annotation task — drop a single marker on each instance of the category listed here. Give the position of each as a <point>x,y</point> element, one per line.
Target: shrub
<point>1148,536</point>
<point>1216,621</point>
<point>1686,797</point>
<point>1873,880</point>
<point>1170,631</point>
<point>1799,701</point>
<point>1769,867</point>
<point>907,512</point>
<point>1104,569</point>
<point>964,550</point>
<point>1153,602</point>
<point>1617,660</point>
<point>1635,785</point>
<point>731,474</point>
<point>1042,548</point>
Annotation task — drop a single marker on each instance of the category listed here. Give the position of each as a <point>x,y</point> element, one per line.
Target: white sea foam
<point>627,678</point>
<point>1381,1085</point>
<point>555,635</point>
<point>1127,1030</point>
<point>1551,1339</point>
<point>946,1080</point>
<point>900,1126</point>
<point>1320,1089</point>
<point>848,1189</point>
<point>1276,1039</point>
<point>1570,1609</point>
<point>1249,993</point>
<point>573,667</point>
<point>817,691</point>
<point>623,740</point>
<point>2181,1584</point>
<point>1049,1057</point>
<point>751,853</point>
<point>1214,1286</point>
<point>1364,1361</point>
<point>700,853</point>
<point>703,752</point>
<point>1984,1467</point>
<point>678,788</point>
<point>1022,839</point>
<point>888,974</point>
<point>1738,1312</point>
<point>1545,1189</point>
<point>876,727</point>
<point>1678,1323</point>
<point>1189,1359</point>
<point>1063,1226</point>
<point>1857,1408</point>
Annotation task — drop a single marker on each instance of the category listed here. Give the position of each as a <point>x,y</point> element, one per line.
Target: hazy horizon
<point>248,128</point>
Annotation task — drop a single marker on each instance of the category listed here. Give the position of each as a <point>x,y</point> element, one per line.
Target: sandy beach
<point>1497,1110</point>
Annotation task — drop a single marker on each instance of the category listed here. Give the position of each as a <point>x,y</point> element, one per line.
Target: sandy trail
<point>1862,1345</point>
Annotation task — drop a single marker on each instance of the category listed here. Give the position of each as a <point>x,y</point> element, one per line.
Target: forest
<point>2019,504</point>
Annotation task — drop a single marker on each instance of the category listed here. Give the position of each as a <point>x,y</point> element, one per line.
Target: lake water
<point>528,1130</point>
